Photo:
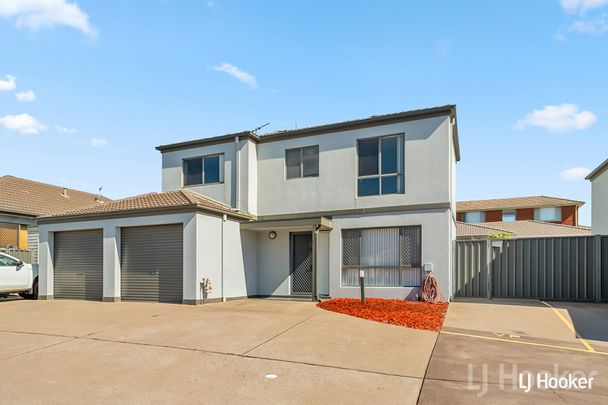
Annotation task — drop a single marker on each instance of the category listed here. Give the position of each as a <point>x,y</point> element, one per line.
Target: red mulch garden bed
<point>412,314</point>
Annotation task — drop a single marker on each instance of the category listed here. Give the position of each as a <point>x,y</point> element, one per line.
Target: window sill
<point>202,184</point>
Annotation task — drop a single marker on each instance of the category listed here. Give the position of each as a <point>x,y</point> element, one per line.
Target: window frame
<point>399,174</point>
<point>482,217</point>
<point>202,159</point>
<point>301,150</point>
<point>401,266</point>
<point>537,214</point>
<point>508,212</point>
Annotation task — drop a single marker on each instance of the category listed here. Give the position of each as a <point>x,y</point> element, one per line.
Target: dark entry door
<point>301,263</point>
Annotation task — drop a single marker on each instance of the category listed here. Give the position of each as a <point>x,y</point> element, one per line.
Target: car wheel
<point>34,294</point>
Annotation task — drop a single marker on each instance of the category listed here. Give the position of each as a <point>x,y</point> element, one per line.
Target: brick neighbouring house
<point>539,208</point>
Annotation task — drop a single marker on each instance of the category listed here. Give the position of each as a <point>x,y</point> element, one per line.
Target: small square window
<point>203,170</point>
<point>302,162</point>
<point>474,217</point>
<point>508,216</point>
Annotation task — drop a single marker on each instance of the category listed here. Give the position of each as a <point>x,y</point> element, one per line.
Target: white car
<point>17,277</point>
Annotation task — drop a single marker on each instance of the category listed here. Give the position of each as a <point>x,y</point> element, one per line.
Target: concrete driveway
<point>64,352</point>
<point>485,345</point>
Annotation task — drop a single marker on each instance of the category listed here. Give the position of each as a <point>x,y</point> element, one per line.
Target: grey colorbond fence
<point>559,268</point>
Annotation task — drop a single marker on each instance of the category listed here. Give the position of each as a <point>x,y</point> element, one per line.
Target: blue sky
<point>88,90</point>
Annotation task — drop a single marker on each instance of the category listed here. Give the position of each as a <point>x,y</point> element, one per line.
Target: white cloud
<point>98,142</point>
<point>26,96</point>
<point>237,73</point>
<point>8,84</point>
<point>581,6</point>
<point>558,118</point>
<point>35,14</point>
<point>24,123</point>
<point>592,27</point>
<point>575,173</point>
<point>64,130</point>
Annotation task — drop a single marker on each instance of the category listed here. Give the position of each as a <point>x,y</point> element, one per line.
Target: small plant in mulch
<point>411,314</point>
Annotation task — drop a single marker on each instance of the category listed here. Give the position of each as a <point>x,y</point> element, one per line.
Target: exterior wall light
<point>272,235</point>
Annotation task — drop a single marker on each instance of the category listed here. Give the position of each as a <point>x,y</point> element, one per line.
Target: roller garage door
<point>151,261</point>
<point>78,264</point>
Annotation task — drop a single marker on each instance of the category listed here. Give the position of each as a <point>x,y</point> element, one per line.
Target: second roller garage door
<point>151,260</point>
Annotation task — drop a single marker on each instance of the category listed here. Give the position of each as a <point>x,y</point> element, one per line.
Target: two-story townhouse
<point>291,213</point>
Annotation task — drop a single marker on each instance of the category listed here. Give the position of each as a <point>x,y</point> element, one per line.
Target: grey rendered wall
<point>240,264</point>
<point>172,175</point>
<point>427,170</point>
<point>273,264</point>
<point>249,246</point>
<point>599,204</point>
<point>435,249</point>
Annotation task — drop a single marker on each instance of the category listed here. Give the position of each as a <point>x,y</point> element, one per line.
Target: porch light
<point>272,235</point>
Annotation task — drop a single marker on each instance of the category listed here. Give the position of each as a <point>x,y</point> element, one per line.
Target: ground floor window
<point>389,257</point>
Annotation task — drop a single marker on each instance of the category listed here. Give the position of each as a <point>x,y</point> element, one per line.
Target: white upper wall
<point>264,190</point>
<point>599,204</point>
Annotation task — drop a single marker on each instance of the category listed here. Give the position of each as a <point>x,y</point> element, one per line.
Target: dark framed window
<point>204,170</point>
<point>380,166</point>
<point>302,162</point>
<point>389,257</point>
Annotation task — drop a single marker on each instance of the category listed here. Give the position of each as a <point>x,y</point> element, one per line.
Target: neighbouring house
<point>599,199</point>
<point>295,213</point>
<point>537,208</point>
<point>22,201</point>
<point>518,229</point>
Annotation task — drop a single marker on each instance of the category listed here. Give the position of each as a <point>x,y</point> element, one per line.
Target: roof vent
<point>64,193</point>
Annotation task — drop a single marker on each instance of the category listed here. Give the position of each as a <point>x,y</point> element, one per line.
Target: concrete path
<point>485,345</point>
<point>64,352</point>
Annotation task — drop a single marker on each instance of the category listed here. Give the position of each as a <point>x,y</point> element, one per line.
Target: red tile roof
<point>169,199</point>
<point>32,198</point>
<point>520,229</point>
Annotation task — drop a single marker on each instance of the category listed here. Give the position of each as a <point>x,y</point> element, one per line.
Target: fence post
<point>489,254</point>
<point>597,268</point>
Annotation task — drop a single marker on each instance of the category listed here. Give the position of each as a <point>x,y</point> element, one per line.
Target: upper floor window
<point>204,170</point>
<point>548,214</point>
<point>474,217</point>
<point>380,166</point>
<point>508,215</point>
<point>302,162</point>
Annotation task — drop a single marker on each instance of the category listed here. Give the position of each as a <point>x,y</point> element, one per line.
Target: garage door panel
<point>152,263</point>
<point>78,264</point>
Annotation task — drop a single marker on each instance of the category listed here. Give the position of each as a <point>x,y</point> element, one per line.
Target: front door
<point>301,263</point>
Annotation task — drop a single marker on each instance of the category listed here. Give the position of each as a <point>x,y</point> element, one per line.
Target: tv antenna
<point>258,128</point>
